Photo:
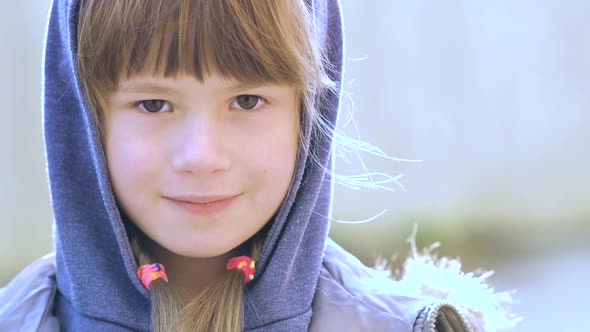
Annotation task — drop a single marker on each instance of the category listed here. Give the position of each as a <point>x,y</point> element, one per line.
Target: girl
<point>189,156</point>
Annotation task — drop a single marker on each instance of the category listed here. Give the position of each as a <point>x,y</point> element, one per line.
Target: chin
<point>202,250</point>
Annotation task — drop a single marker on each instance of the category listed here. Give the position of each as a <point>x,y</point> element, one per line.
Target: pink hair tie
<point>245,264</point>
<point>150,272</point>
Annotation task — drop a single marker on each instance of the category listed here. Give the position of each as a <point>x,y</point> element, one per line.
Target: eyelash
<point>259,103</point>
<point>141,105</point>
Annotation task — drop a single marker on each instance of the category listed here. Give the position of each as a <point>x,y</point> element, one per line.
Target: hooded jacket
<point>303,280</point>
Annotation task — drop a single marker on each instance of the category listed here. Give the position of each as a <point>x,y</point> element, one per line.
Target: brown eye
<point>153,106</point>
<point>247,102</point>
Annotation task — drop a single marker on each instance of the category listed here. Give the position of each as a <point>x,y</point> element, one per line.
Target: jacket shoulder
<point>353,297</point>
<point>26,303</point>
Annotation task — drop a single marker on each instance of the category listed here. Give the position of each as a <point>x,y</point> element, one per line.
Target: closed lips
<point>201,199</point>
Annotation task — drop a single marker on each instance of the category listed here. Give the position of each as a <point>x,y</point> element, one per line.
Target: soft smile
<point>209,204</point>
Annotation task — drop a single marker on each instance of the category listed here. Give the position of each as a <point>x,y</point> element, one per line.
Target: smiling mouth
<point>203,204</point>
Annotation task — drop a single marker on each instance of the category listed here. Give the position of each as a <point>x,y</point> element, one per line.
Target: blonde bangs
<point>255,41</point>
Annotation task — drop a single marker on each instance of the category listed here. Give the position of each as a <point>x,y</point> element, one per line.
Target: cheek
<point>130,161</point>
<point>273,158</point>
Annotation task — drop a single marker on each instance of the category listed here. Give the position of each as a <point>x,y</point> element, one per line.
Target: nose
<point>200,148</point>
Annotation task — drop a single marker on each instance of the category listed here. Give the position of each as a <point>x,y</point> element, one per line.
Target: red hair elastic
<point>150,272</point>
<point>245,264</point>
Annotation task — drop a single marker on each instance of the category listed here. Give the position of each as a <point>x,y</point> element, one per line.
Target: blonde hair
<point>249,40</point>
<point>217,308</point>
<point>258,41</point>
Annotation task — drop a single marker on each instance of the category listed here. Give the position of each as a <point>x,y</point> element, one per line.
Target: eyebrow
<point>158,88</point>
<point>145,87</point>
<point>241,86</point>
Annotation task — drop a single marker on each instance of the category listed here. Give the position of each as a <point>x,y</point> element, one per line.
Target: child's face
<point>201,167</point>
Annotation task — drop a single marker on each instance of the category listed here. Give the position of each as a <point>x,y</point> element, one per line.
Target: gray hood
<point>97,284</point>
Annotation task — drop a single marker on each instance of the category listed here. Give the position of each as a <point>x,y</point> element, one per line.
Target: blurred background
<point>492,97</point>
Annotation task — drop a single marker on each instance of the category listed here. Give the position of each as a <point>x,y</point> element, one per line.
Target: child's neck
<point>191,275</point>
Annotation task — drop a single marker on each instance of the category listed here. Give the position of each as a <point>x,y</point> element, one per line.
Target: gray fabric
<point>352,297</point>
<point>348,297</point>
<point>90,234</point>
<point>27,301</point>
